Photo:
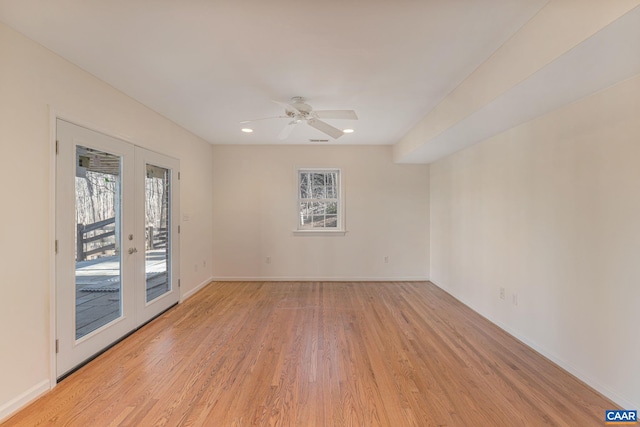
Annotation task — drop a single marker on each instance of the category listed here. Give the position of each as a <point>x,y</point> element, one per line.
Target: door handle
<point>132,250</point>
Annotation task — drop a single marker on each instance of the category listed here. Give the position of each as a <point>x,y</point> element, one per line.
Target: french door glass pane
<point>98,256</point>
<point>157,220</point>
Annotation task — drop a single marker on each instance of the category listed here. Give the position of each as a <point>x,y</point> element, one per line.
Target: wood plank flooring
<point>319,354</point>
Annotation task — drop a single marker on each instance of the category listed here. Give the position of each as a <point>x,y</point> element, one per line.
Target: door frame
<point>56,114</point>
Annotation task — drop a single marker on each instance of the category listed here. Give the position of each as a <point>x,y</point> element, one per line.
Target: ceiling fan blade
<point>336,114</point>
<point>324,127</point>
<point>288,107</point>
<point>264,118</point>
<point>286,131</point>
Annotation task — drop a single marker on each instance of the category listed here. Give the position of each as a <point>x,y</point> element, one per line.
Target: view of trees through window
<point>319,199</point>
<point>97,188</point>
<point>97,204</point>
<point>156,207</point>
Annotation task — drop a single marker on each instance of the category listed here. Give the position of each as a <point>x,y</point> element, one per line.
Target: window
<point>319,200</point>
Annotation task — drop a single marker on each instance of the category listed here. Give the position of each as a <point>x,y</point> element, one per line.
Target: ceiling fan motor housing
<point>298,103</point>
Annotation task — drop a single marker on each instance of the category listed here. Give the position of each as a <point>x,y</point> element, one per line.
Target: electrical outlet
<point>502,293</point>
<point>514,299</point>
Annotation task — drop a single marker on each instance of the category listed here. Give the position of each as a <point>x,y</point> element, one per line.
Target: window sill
<point>319,232</point>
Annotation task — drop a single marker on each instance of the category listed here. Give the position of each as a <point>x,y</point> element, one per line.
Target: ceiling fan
<point>298,110</point>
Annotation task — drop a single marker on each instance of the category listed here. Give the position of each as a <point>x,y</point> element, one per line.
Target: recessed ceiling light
<point>246,130</point>
<point>348,131</point>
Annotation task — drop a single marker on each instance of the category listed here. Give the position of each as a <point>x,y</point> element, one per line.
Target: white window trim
<point>319,232</point>
<point>340,230</point>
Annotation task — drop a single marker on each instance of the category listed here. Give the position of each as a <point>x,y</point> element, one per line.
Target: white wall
<point>254,214</point>
<point>550,210</point>
<point>33,80</point>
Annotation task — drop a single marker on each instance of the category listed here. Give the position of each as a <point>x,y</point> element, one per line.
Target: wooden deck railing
<point>156,238</point>
<point>82,240</point>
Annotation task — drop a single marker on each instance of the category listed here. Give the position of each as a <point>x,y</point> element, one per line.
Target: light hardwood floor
<point>319,354</point>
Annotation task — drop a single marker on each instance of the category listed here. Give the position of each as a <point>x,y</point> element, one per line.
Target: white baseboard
<point>319,279</point>
<point>605,391</point>
<point>19,402</point>
<point>191,292</point>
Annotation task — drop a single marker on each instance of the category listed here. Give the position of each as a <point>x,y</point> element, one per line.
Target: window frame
<point>339,200</point>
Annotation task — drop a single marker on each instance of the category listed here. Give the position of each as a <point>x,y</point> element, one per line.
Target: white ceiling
<point>209,64</point>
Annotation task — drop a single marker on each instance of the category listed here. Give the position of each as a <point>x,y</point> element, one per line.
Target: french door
<point>117,240</point>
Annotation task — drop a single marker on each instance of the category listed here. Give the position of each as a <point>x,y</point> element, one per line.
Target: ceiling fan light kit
<point>298,111</point>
